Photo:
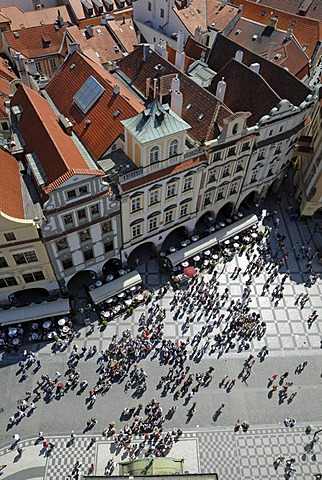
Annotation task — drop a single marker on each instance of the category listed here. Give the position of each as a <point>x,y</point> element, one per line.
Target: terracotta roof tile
<point>10,188</point>
<point>105,115</point>
<point>34,18</point>
<point>124,30</point>
<point>6,71</point>
<point>55,150</point>
<point>200,14</point>
<point>306,30</point>
<point>306,8</point>
<point>101,43</point>
<point>4,88</point>
<point>195,49</point>
<point>196,100</point>
<point>257,38</point>
<point>158,174</point>
<point>283,83</point>
<point>31,41</point>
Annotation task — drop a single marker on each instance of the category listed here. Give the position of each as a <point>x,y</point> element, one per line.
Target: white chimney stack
<point>116,89</point>
<point>270,52</point>
<point>175,84</point>
<point>221,90</point>
<point>180,60</point>
<point>180,41</point>
<point>255,67</point>
<point>289,34</point>
<point>176,102</point>
<point>239,56</point>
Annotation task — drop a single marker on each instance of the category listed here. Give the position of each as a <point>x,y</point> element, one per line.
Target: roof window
<point>88,94</point>
<point>188,106</point>
<point>200,117</point>
<point>117,113</point>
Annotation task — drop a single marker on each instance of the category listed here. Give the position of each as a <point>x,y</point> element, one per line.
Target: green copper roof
<point>156,122</point>
<point>152,466</point>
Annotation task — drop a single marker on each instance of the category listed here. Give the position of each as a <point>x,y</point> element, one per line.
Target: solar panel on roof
<point>88,94</point>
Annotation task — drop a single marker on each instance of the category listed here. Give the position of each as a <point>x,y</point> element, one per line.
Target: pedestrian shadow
<point>270,394</point>
<point>70,443</point>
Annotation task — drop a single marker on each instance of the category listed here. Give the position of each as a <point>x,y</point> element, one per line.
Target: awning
<point>227,232</point>
<point>34,312</point>
<point>116,286</point>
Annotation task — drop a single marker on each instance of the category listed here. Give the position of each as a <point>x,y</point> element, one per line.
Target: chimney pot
<point>221,90</point>
<point>255,67</point>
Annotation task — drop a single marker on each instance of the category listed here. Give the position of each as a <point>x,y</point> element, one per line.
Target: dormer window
<point>154,154</point>
<point>46,42</point>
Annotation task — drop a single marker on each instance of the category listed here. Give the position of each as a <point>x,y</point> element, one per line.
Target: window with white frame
<point>154,154</point>
<point>39,66</point>
<point>68,219</point>
<point>254,176</point>
<point>62,244</point>
<point>212,176</point>
<point>231,151</point>
<point>261,153</point>
<point>173,148</point>
<point>187,185</point>
<point>135,204</point>
<point>240,166</point>
<point>106,227</point>
<point>53,63</point>
<point>154,197</point>
<point>221,193</point>
<point>153,223</point>
<point>8,282</point>
<point>207,199</point>
<point>233,188</point>
<point>33,277</point>
<point>226,171</point>
<point>183,210</point>
<point>136,230</point>
<point>171,190</point>
<point>26,257</point>
<point>168,216</point>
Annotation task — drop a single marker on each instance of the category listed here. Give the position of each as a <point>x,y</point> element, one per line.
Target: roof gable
<point>99,128</point>
<point>34,18</point>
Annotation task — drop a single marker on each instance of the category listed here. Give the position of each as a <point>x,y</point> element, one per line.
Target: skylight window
<point>188,106</point>
<point>200,117</point>
<point>88,94</point>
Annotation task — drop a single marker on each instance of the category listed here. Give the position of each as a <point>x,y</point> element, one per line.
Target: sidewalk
<point>232,455</point>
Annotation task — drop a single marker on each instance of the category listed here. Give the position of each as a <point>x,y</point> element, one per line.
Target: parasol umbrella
<point>190,272</point>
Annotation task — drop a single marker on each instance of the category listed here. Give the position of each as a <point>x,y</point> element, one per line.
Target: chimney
<point>239,56</point>
<point>147,87</point>
<point>161,48</point>
<point>180,60</point>
<point>255,67</point>
<point>155,83</point>
<point>175,84</point>
<point>270,52</point>
<point>146,51</point>
<point>87,123</point>
<point>198,34</point>
<point>176,102</point>
<point>179,41</point>
<point>73,47</point>
<point>31,67</point>
<point>288,34</point>
<point>89,30</point>
<point>272,22</point>
<point>103,19</point>
<point>221,90</point>
<point>116,90</point>
<point>60,20</point>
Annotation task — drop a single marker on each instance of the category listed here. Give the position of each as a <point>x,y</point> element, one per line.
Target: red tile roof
<point>307,31</point>
<point>195,49</point>
<point>158,174</point>
<point>4,88</point>
<point>31,42</point>
<point>200,107</point>
<point>34,18</point>
<point>306,8</point>
<point>105,126</point>
<point>55,150</point>
<point>101,43</point>
<point>124,31</point>
<point>6,71</point>
<point>10,188</point>
<point>257,38</point>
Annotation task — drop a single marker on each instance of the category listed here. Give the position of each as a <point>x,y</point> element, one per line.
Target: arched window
<point>154,154</point>
<point>235,128</point>
<point>173,148</point>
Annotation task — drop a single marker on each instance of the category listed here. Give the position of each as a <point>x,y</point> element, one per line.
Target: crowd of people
<point>229,325</point>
